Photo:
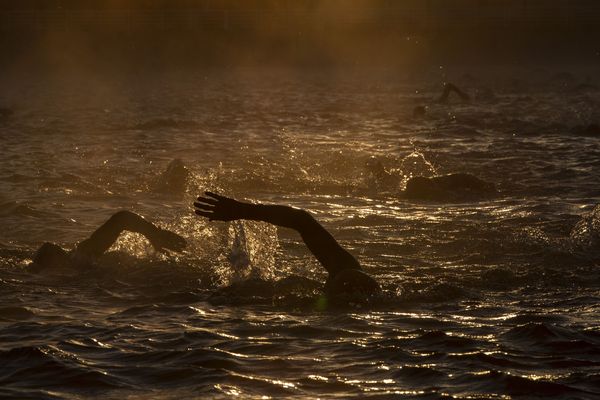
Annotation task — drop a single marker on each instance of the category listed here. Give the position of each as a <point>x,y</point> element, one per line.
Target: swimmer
<point>448,187</point>
<point>586,130</point>
<point>420,111</point>
<point>5,112</point>
<point>449,88</point>
<point>174,180</point>
<point>346,277</point>
<point>90,250</point>
<point>451,187</point>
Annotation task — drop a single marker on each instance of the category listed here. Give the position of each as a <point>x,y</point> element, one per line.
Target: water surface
<point>483,299</point>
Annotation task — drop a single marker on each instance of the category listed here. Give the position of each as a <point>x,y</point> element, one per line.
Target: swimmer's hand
<point>162,240</point>
<point>217,208</point>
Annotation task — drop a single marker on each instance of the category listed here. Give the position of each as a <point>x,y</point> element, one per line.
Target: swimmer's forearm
<point>107,234</point>
<point>319,241</point>
<point>220,208</point>
<point>284,216</point>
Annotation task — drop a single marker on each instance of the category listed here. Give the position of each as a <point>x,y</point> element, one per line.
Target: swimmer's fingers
<point>207,200</point>
<point>205,214</point>
<point>204,206</point>
<point>217,207</point>
<point>216,196</point>
<point>210,215</point>
<point>205,210</point>
<point>214,214</point>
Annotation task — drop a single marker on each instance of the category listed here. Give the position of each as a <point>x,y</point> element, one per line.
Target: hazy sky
<point>299,32</point>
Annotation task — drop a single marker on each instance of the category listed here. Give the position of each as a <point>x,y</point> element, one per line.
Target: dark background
<point>390,33</point>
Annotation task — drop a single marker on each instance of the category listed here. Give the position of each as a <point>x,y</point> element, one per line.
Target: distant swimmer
<point>586,130</point>
<point>174,179</point>
<point>450,187</point>
<point>52,256</point>
<point>346,277</point>
<point>5,112</point>
<point>452,88</point>
<point>449,88</point>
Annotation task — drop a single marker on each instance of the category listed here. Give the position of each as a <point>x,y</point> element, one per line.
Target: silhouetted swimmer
<point>451,187</point>
<point>452,88</point>
<point>420,111</point>
<point>346,277</point>
<point>586,130</point>
<point>5,112</point>
<point>174,179</point>
<point>448,187</point>
<point>87,252</point>
<point>585,87</point>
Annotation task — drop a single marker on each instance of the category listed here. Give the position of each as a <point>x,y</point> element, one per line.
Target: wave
<point>49,367</point>
<point>585,235</point>
<point>292,290</point>
<point>19,209</point>
<point>419,375</point>
<point>15,313</point>
<point>440,341</point>
<point>438,292</point>
<point>513,385</point>
<point>556,339</point>
<point>164,123</point>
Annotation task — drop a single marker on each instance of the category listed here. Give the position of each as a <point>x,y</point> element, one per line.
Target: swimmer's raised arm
<point>449,88</point>
<point>107,234</point>
<point>319,241</point>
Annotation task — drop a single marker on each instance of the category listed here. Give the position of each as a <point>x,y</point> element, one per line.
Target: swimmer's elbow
<point>301,215</point>
<point>303,219</point>
<point>123,217</point>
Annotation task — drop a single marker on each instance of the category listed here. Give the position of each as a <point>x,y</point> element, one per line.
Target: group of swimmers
<point>345,275</point>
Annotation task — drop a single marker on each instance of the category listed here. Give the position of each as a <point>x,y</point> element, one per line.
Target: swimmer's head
<point>49,256</point>
<point>351,283</point>
<point>175,178</point>
<point>419,111</point>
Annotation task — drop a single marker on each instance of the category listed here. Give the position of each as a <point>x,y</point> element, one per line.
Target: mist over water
<point>482,299</point>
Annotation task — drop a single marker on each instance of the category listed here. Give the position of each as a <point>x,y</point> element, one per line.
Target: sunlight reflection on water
<point>487,299</point>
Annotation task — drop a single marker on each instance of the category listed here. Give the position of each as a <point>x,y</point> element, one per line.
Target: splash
<point>416,164</point>
<point>134,244</point>
<point>585,235</point>
<point>252,249</point>
<point>238,255</point>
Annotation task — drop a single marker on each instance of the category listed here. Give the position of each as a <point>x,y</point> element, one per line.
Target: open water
<point>484,299</point>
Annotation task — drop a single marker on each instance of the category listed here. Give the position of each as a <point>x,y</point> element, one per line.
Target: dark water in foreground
<point>487,299</point>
